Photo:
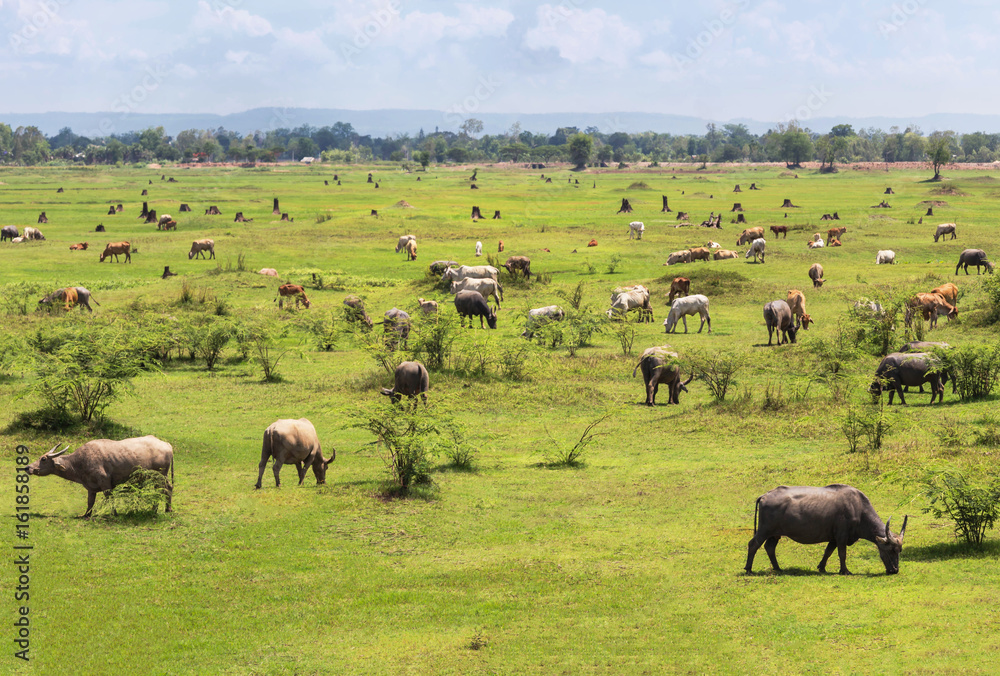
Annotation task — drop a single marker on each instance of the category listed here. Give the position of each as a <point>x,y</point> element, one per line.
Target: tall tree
<point>580,147</point>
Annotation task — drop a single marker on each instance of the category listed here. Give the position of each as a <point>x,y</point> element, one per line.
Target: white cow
<point>33,233</point>
<point>679,257</point>
<point>756,248</point>
<point>635,229</point>
<point>817,244</point>
<point>541,316</point>
<point>457,274</point>
<point>403,239</point>
<point>713,245</point>
<point>689,305</point>
<point>628,298</point>
<point>885,257</point>
<point>479,248</point>
<point>487,287</point>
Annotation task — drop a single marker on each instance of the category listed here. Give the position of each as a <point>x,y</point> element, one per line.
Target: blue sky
<point>764,60</point>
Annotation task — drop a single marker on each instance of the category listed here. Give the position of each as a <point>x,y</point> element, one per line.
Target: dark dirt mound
<point>932,203</point>
<point>947,190</point>
<point>403,204</point>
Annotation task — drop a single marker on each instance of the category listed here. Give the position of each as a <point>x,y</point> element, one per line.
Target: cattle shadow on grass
<point>944,551</point>
<point>831,571</point>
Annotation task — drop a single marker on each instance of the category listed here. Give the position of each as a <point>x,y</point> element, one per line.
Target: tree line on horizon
<point>340,143</point>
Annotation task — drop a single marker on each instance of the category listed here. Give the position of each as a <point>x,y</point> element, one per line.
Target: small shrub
<point>614,263</point>
<point>211,339</point>
<point>773,399</point>
<point>570,456</point>
<point>432,337</point>
<point>574,297</point>
<point>991,285</point>
<point>988,433</point>
<point>323,218</point>
<point>853,429</point>
<point>717,369</point>
<point>513,362</point>
<point>589,267</point>
<point>972,506</point>
<point>456,448</point>
<point>187,295</point>
<point>623,330</point>
<point>949,432</point>
<point>974,368</point>
<point>408,438</point>
<point>875,331</point>
<point>477,358</point>
<point>141,494</point>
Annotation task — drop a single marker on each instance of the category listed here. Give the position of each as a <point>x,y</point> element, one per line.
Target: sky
<point>757,59</point>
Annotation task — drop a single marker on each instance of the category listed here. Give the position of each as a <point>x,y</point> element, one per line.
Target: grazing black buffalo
<point>659,365</point>
<point>410,379</point>
<point>975,257</point>
<point>838,515</point>
<point>778,316</point>
<point>911,370</point>
<point>472,304</point>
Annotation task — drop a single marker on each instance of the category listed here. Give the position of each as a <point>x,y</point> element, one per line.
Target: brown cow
<point>816,275</point>
<point>522,263</point>
<point>680,287</point>
<point>286,290</point>
<point>834,242</point>
<point>411,250</point>
<point>82,246</point>
<point>200,246</point>
<point>780,230</point>
<point>797,302</point>
<point>835,233</point>
<point>700,253</point>
<point>930,305</point>
<point>592,242</point>
<point>116,248</point>
<point>70,298</point>
<point>750,234</point>
<point>949,291</point>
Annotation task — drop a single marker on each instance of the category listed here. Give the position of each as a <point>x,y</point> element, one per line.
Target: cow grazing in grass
<point>403,239</point>
<point>836,515</point>
<point>118,248</point>
<point>659,366</point>
<point>438,267</point>
<point>749,235</point>
<point>295,291</point>
<point>816,275</point>
<point>541,316</point>
<point>396,326</point>
<point>778,317</point>
<point>515,263</point>
<point>930,305</point>
<point>625,299</point>
<point>948,291</point>
<point>200,246</point>
<point>102,464</point>
<point>885,257</point>
<point>293,441</point>
<point>756,249</point>
<point>354,310</point>
<point>680,286</point>
<point>70,296</point>
<point>487,287</point>
<point>689,305</point>
<point>9,232</point>
<point>797,302</point>
<point>945,229</point>
<point>910,370</point>
<point>411,250</point>
<point>409,380</point>
<point>975,257</point>
<point>635,230</point>
<point>683,256</point>
<point>166,222</point>
<point>33,234</point>
<point>472,304</point>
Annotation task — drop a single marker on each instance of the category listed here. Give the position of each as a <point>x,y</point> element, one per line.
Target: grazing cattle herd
<point>836,515</point>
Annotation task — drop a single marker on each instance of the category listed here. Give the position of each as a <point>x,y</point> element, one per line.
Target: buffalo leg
<point>301,469</point>
<point>769,546</point>
<point>842,552</point>
<point>276,468</point>
<point>261,467</point>
<point>651,389</point>
<point>91,497</point>
<point>899,391</point>
<point>752,548</point>
<point>826,555</point>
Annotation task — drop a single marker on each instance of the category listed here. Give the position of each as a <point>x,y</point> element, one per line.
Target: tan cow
<point>116,248</point>
<point>269,272</point>
<point>949,291</point>
<point>82,246</point>
<point>701,253</point>
<point>679,257</point>
<point>681,286</point>
<point>289,441</point>
<point>945,229</point>
<point>749,235</point>
<point>930,305</point>
<point>797,302</point>
<point>200,246</point>
<point>428,307</point>
<point>411,250</point>
<point>292,290</point>
<point>723,254</point>
<point>835,233</point>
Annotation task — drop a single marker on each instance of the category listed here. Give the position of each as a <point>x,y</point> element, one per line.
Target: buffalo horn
<point>56,455</point>
<point>688,381</point>
<point>887,527</point>
<point>903,531</point>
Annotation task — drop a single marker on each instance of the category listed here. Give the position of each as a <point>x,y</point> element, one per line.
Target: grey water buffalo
<point>354,311</point>
<point>102,464</point>
<point>9,232</point>
<point>410,379</point>
<point>945,229</point>
<point>293,441</point>
<point>837,515</point>
<point>778,317</point>
<point>116,249</point>
<point>911,370</point>
<point>396,326</point>
<point>929,346</point>
<point>688,305</point>
<point>975,257</point>
<point>472,304</point>
<point>200,246</point>
<point>541,316</point>
<point>438,267</point>
<point>659,366</point>
<point>522,263</point>
<point>83,297</point>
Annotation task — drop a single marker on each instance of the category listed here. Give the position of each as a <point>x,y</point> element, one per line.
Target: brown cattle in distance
<point>117,248</point>
<point>780,230</point>
<point>292,290</point>
<point>680,287</point>
<point>835,233</point>
<point>949,291</point>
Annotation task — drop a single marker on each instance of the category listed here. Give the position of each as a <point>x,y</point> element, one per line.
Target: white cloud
<point>230,20</point>
<point>583,36</point>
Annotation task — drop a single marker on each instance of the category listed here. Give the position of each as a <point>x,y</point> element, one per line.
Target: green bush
<point>432,337</point>
<point>717,369</point>
<point>973,506</point>
<point>408,437</point>
<point>974,368</point>
<point>141,494</point>
<point>876,331</point>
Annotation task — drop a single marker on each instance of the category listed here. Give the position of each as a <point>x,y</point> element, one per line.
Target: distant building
<point>307,160</point>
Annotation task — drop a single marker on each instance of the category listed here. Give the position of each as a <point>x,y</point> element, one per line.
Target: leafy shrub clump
<point>973,506</point>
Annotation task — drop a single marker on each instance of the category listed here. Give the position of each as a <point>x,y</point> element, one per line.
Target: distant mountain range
<point>393,122</point>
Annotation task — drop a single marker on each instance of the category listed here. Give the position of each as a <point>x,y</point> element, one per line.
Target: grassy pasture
<point>629,563</point>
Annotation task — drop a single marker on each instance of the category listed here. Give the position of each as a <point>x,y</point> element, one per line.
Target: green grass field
<point>629,562</point>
